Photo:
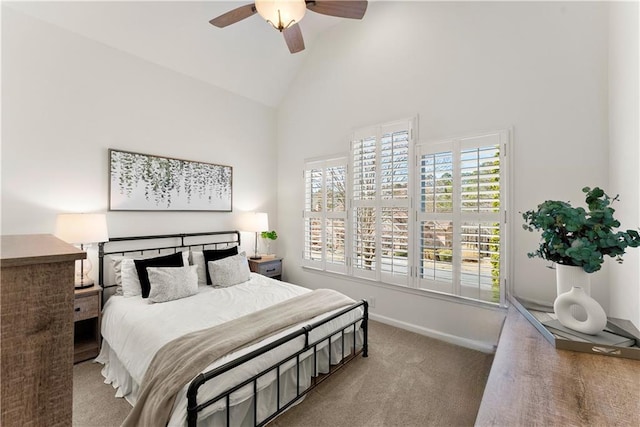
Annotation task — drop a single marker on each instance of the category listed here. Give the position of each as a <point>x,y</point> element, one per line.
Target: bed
<point>249,386</point>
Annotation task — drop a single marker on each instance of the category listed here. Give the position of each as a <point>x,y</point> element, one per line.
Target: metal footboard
<point>194,407</point>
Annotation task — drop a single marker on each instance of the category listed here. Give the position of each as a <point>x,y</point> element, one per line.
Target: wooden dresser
<point>36,315</point>
<point>532,383</point>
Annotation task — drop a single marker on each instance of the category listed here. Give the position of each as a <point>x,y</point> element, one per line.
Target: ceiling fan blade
<point>353,9</point>
<point>293,37</point>
<point>233,16</point>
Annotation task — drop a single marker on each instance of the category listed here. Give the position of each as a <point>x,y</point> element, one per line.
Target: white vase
<point>596,318</point>
<point>568,276</point>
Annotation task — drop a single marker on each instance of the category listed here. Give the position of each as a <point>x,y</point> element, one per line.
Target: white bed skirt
<point>242,404</point>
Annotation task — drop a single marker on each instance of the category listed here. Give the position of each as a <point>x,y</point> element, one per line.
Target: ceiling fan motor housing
<point>281,14</point>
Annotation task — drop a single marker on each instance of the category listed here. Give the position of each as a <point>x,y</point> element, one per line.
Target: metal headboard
<point>143,244</point>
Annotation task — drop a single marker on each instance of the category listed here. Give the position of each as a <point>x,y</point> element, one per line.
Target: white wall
<point>66,100</point>
<point>462,67</point>
<point>624,138</point>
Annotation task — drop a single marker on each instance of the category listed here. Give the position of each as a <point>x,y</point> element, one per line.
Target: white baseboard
<point>482,346</point>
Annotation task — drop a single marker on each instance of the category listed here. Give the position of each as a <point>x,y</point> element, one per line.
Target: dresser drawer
<point>270,269</point>
<point>86,307</point>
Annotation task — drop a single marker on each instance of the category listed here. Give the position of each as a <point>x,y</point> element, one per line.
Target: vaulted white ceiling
<point>248,58</point>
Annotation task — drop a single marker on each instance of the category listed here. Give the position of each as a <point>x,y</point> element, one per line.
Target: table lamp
<point>255,222</point>
<point>82,229</point>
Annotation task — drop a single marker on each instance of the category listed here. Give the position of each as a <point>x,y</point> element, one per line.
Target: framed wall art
<point>144,182</point>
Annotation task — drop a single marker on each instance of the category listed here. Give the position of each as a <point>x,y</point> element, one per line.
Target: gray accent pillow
<point>229,271</point>
<point>171,283</point>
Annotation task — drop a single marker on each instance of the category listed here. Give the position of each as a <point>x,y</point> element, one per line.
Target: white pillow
<point>171,283</point>
<point>126,271</point>
<point>116,268</point>
<point>229,271</point>
<point>130,283</point>
<point>197,259</point>
<point>112,266</point>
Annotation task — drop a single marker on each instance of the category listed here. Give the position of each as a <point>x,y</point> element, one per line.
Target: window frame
<point>412,281</point>
<point>323,215</point>
<point>456,145</point>
<point>379,203</point>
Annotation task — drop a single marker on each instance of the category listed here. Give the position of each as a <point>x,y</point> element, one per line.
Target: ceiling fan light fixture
<point>281,14</point>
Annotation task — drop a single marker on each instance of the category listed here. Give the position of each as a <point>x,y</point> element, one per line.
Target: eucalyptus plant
<point>579,237</point>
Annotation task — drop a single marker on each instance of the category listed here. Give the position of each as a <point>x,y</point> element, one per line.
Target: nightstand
<point>86,317</point>
<point>270,267</point>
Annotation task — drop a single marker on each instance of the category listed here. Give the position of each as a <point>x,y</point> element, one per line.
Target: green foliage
<point>445,255</point>
<point>271,235</point>
<point>494,247</point>
<point>575,236</point>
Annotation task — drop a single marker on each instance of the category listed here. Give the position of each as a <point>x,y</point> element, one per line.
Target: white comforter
<point>135,329</point>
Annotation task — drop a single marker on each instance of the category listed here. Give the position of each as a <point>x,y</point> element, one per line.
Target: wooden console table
<point>532,383</point>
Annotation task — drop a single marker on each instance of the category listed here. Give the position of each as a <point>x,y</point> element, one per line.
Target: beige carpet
<point>407,380</point>
<point>94,402</point>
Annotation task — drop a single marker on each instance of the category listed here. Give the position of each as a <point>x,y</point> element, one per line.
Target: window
<point>430,216</point>
<point>325,214</point>
<point>380,204</point>
<point>461,188</point>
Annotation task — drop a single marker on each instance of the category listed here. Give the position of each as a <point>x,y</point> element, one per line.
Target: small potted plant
<point>269,236</point>
<point>577,239</point>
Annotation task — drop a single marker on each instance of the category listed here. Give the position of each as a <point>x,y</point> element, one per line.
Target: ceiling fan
<point>284,15</point>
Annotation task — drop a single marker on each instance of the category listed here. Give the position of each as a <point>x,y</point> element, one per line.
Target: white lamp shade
<point>82,228</point>
<point>290,10</point>
<point>255,222</point>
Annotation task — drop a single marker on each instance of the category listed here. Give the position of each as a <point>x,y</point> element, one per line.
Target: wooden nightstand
<point>86,317</point>
<point>270,267</point>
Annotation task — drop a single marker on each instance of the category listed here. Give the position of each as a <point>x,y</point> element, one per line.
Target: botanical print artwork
<point>144,182</point>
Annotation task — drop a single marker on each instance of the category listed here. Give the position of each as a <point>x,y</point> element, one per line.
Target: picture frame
<point>146,182</point>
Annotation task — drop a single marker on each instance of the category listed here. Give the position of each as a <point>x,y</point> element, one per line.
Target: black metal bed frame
<point>193,407</point>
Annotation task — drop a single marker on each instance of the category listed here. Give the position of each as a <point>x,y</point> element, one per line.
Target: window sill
<point>412,291</point>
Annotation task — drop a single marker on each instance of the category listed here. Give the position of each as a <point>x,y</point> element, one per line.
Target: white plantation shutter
<point>479,177</point>
<point>461,217</point>
<point>335,243</point>
<point>313,178</point>
<point>394,164</point>
<point>436,185</point>
<point>394,241</point>
<point>325,215</point>
<point>312,240</point>
<point>364,261</point>
<point>381,200</point>
<point>362,220</point>
<point>336,216</point>
<point>364,168</point>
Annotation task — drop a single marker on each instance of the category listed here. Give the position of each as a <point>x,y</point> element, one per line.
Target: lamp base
<point>83,284</point>
<point>82,279</point>
<point>255,257</point>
